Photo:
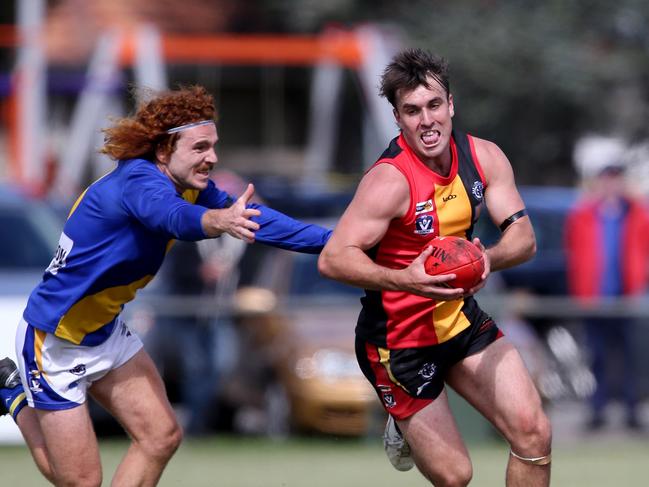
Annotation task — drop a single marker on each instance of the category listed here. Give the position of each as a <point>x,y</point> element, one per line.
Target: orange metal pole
<point>342,47</point>
<point>15,168</point>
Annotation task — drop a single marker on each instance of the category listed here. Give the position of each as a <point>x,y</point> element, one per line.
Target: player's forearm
<point>352,266</point>
<point>280,230</point>
<point>214,223</point>
<point>516,246</point>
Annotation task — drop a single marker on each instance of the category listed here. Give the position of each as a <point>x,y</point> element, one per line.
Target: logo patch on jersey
<point>477,189</point>
<point>424,225</point>
<point>61,254</point>
<point>449,197</point>
<point>423,206</point>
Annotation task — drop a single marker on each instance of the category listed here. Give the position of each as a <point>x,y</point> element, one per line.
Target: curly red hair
<point>140,135</point>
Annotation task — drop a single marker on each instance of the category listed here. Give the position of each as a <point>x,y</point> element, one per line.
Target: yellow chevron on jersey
<point>94,311</point>
<point>454,209</point>
<point>191,195</point>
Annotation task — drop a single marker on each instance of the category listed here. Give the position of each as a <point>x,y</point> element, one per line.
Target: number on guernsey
<point>61,254</point>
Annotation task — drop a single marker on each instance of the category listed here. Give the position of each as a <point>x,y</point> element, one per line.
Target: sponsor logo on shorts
<point>34,381</point>
<point>387,397</point>
<point>426,372</point>
<point>78,369</point>
<point>125,330</point>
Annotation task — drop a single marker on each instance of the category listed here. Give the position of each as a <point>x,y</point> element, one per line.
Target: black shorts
<point>408,379</point>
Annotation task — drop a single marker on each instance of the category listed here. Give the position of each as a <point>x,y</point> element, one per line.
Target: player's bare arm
<point>234,220</point>
<point>382,195</point>
<point>487,268</point>
<point>517,243</point>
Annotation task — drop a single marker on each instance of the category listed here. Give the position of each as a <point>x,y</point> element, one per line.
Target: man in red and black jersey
<point>414,334</point>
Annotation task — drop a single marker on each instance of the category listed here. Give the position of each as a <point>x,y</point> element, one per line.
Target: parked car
<point>307,341</point>
<point>31,230</point>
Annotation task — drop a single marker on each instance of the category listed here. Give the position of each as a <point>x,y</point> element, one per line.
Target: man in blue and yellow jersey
<point>415,335</point>
<point>72,341</point>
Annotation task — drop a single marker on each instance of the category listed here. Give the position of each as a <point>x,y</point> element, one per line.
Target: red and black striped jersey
<point>439,206</point>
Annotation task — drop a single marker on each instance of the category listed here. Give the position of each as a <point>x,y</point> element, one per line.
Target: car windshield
<point>29,243</point>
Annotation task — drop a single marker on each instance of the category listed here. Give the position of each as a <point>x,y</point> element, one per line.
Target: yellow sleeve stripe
<point>19,398</point>
<point>76,203</point>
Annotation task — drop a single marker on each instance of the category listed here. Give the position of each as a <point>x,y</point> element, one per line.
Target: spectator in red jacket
<point>607,242</point>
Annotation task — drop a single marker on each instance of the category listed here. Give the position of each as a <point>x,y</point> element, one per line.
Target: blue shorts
<point>56,373</point>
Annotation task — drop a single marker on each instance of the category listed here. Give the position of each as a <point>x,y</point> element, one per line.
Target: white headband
<point>188,126</point>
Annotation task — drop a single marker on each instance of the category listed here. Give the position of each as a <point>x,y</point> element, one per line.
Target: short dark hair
<point>411,68</point>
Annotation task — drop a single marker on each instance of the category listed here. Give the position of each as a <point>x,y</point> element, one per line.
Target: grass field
<point>241,462</point>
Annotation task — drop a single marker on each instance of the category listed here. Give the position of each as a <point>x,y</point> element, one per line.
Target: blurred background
<point>561,87</point>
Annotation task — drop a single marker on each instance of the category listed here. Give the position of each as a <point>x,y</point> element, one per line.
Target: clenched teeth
<point>430,137</point>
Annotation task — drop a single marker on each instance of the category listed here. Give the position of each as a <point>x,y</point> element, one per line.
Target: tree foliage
<point>532,76</point>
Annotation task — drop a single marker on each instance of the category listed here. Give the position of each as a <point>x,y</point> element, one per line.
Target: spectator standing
<point>607,243</point>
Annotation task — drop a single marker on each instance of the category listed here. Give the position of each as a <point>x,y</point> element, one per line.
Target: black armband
<point>512,219</point>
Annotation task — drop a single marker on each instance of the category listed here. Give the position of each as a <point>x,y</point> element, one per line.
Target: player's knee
<point>164,442</point>
<point>45,468</point>
<point>171,441</point>
<point>80,478</point>
<point>533,433</point>
<point>454,474</point>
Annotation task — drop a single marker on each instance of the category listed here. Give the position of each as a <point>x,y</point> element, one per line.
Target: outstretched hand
<point>235,220</point>
<point>242,227</point>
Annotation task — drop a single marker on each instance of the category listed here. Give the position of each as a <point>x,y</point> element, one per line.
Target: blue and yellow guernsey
<point>114,242</point>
